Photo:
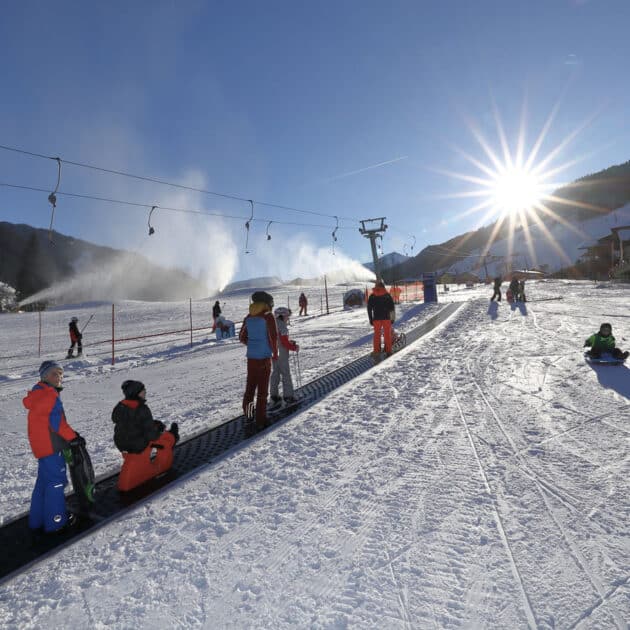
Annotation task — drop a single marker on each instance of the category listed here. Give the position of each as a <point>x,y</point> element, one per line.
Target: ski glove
<point>77,441</point>
<point>160,425</point>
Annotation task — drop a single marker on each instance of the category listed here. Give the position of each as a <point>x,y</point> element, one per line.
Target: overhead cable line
<point>167,208</point>
<point>174,185</point>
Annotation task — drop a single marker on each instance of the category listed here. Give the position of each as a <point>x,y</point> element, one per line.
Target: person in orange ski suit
<point>381,309</point>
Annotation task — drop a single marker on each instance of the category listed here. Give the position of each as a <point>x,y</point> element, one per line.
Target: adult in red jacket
<point>303,302</point>
<point>49,434</point>
<point>260,335</point>
<point>380,309</point>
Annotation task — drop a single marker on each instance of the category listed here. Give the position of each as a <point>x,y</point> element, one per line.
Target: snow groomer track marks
<point>19,550</point>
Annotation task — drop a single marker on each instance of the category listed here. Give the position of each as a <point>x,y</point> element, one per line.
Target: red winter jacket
<point>48,430</point>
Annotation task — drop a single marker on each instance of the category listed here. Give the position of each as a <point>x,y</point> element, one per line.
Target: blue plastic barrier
<point>430,287</point>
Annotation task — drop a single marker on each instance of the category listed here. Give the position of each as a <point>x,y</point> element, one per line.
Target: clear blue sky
<point>284,101</point>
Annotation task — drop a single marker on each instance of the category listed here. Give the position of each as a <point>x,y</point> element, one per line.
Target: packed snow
<point>477,478</point>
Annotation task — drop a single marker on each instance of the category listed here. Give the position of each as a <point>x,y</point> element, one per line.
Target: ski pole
<point>298,373</point>
<point>86,323</point>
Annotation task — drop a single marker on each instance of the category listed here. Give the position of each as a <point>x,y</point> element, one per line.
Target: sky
<point>453,485</point>
<point>347,109</point>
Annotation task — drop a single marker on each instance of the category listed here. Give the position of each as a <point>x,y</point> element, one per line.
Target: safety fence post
<point>113,330</point>
<point>191,326</point>
<point>326,289</point>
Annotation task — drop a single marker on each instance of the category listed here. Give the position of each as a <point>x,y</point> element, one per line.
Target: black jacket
<point>380,305</point>
<point>135,426</point>
<point>216,310</point>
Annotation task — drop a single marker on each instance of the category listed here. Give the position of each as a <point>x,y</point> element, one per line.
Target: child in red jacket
<point>49,435</point>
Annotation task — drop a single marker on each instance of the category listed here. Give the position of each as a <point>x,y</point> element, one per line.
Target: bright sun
<point>513,188</point>
<point>516,190</point>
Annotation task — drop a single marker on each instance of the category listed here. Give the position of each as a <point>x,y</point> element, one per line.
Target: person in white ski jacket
<point>281,368</point>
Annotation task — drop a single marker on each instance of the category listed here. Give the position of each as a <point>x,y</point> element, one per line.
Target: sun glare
<point>516,190</point>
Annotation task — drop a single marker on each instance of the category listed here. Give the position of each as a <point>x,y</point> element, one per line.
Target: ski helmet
<point>131,389</point>
<point>283,311</point>
<point>605,329</point>
<point>74,319</point>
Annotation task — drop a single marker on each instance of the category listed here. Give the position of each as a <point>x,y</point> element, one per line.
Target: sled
<point>155,460</point>
<point>605,359</point>
<point>82,476</point>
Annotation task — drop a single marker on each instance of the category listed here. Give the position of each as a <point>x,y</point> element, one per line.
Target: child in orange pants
<point>146,447</point>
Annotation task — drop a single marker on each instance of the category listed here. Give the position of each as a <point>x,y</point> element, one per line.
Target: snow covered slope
<point>478,478</point>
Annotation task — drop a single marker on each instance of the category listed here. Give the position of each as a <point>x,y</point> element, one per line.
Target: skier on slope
<point>136,434</point>
<point>381,311</point>
<point>76,338</point>
<point>281,367</point>
<point>603,342</point>
<point>49,435</point>
<point>513,288</point>
<point>497,289</point>
<point>260,334</point>
<point>303,302</point>
<point>216,311</point>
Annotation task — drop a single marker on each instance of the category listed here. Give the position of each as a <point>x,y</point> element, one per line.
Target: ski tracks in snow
<point>496,447</point>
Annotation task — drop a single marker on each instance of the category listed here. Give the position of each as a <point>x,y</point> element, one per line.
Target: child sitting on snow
<point>137,435</point>
<point>604,342</point>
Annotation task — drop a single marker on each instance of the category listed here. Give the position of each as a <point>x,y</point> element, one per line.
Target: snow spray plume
<point>302,259</point>
<point>128,276</point>
<point>202,245</point>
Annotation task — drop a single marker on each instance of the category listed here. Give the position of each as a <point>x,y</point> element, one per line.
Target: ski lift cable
<point>167,208</point>
<point>164,182</point>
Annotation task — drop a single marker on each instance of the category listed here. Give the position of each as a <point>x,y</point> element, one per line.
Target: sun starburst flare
<point>517,190</point>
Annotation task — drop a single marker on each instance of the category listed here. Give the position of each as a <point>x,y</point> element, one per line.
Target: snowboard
<point>605,359</point>
<point>82,476</point>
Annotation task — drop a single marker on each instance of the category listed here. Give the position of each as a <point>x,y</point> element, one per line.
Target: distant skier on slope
<point>603,342</point>
<point>76,338</point>
<point>303,303</point>
<point>497,289</point>
<point>380,309</point>
<point>281,367</point>
<point>513,290</point>
<point>216,311</point>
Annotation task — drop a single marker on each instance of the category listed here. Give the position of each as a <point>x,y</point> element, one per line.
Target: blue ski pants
<point>48,503</point>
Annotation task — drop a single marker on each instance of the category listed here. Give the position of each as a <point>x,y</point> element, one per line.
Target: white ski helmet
<point>282,311</point>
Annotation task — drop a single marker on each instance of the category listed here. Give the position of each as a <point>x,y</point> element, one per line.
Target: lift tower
<point>373,233</point>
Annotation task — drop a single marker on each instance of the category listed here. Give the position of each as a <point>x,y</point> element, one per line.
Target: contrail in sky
<point>367,168</point>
